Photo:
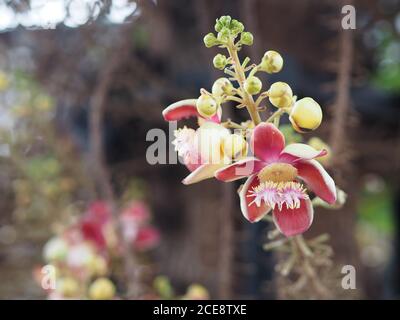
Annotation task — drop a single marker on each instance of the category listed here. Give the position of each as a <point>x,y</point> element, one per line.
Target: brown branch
<point>101,174</point>
<point>341,105</point>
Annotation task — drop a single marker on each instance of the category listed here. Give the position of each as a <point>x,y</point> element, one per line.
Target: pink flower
<point>188,143</point>
<point>146,238</point>
<point>137,212</point>
<point>135,226</point>
<point>273,180</point>
<point>94,222</point>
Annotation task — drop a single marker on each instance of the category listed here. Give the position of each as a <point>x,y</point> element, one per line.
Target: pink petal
<point>317,179</point>
<point>300,151</point>
<point>180,110</point>
<point>147,238</point>
<point>185,109</point>
<point>294,221</point>
<point>267,142</point>
<point>251,212</point>
<point>205,171</point>
<point>217,117</point>
<point>239,170</point>
<point>192,161</point>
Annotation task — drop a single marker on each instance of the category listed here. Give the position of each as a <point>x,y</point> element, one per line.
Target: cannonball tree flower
<point>202,150</point>
<point>275,180</point>
<point>136,227</point>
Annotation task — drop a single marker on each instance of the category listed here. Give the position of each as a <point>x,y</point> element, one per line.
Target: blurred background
<point>82,82</point>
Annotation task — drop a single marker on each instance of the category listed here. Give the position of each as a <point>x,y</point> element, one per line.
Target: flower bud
<point>318,144</point>
<point>306,115</point>
<point>246,38</point>
<point>224,34</point>
<point>222,86</point>
<point>98,266</point>
<point>206,105</point>
<point>210,40</point>
<point>102,289</point>
<point>4,83</point>
<point>272,62</point>
<point>196,292</point>
<point>68,287</point>
<point>235,146</point>
<point>55,249</point>
<point>223,21</point>
<point>236,27</point>
<point>219,61</point>
<point>253,85</point>
<point>280,95</point>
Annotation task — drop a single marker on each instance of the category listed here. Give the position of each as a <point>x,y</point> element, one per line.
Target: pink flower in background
<point>94,223</point>
<point>273,180</point>
<point>146,238</point>
<point>135,226</point>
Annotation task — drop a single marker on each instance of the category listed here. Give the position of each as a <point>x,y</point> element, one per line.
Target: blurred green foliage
<point>376,209</point>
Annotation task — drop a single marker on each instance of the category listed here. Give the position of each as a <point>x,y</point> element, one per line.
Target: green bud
<point>236,26</point>
<point>206,106</point>
<point>223,21</point>
<point>210,40</point>
<point>246,38</point>
<point>219,61</point>
<point>253,85</point>
<point>224,34</point>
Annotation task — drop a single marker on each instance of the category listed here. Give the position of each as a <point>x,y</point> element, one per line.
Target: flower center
<point>278,172</point>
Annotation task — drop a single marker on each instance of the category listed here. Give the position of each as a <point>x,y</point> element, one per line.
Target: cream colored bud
<point>206,105</point>
<point>280,95</point>
<point>235,146</point>
<point>253,85</point>
<point>55,249</point>
<point>222,86</point>
<point>102,289</point>
<point>68,287</point>
<point>318,144</point>
<point>306,115</point>
<point>272,62</point>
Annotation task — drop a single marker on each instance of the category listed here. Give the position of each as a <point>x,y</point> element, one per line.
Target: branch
<point>120,54</point>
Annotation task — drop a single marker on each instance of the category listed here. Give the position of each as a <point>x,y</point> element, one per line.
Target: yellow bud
<point>222,86</point>
<point>206,105</point>
<point>280,95</point>
<point>102,289</point>
<point>3,81</point>
<point>272,62</point>
<point>318,144</point>
<point>253,85</point>
<point>55,249</point>
<point>306,115</point>
<point>98,266</point>
<point>234,146</point>
<point>68,287</point>
<point>196,292</point>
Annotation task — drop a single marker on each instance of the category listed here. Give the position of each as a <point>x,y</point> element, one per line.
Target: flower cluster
<point>279,176</point>
<point>82,255</point>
